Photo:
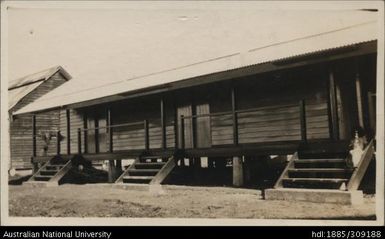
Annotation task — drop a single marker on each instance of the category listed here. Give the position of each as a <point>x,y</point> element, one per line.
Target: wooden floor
<point>271,148</point>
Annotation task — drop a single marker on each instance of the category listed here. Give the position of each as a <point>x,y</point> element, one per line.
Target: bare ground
<point>176,201</point>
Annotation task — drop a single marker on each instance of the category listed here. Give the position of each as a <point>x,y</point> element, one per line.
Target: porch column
<point>359,100</point>
<point>34,152</point>
<point>113,168</point>
<point>176,143</point>
<point>96,137</point>
<point>237,171</point>
<point>193,124</point>
<point>68,119</point>
<point>85,126</point>
<point>235,119</point>
<point>163,123</point>
<point>333,111</point>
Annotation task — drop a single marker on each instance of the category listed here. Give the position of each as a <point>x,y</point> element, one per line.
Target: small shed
<point>22,92</point>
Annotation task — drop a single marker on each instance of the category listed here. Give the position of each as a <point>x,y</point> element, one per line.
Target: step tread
<point>49,170</point>
<point>322,170</point>
<point>153,156</point>
<point>143,170</point>
<point>150,163</point>
<point>56,165</point>
<point>38,175</point>
<point>138,177</point>
<point>315,179</point>
<point>319,161</point>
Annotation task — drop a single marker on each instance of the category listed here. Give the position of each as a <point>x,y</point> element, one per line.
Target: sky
<point>119,42</point>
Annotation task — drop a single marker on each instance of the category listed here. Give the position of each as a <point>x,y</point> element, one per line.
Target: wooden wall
<point>136,111</point>
<point>276,101</point>
<point>76,121</point>
<point>21,126</point>
<point>276,111</point>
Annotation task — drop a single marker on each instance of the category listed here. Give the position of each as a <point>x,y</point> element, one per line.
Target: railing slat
<point>302,111</point>
<point>182,132</point>
<point>79,141</point>
<point>362,166</point>
<point>146,136</point>
<point>58,142</point>
<point>34,136</point>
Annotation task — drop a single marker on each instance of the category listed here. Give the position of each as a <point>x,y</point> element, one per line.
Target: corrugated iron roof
<point>19,88</point>
<point>349,34</point>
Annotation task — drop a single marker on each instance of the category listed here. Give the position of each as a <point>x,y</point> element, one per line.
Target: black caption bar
<point>191,232</point>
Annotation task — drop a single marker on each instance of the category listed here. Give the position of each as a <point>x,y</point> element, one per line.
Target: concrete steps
<point>148,169</point>
<point>315,195</point>
<point>322,177</point>
<point>316,183</point>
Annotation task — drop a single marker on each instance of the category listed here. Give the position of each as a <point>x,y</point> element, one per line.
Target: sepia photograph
<point>192,113</point>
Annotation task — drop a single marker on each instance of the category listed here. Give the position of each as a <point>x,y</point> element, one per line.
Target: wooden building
<point>304,97</point>
<point>22,92</point>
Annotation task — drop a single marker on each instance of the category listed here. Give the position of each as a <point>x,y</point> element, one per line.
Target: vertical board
<point>203,127</point>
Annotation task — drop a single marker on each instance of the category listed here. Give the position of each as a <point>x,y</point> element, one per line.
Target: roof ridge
<point>17,83</point>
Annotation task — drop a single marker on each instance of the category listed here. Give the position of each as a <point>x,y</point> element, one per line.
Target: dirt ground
<point>98,200</point>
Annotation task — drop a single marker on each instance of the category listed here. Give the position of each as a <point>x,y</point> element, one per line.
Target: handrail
<point>236,111</point>
<point>263,108</point>
<point>164,171</point>
<point>362,166</point>
<point>120,178</point>
<point>114,126</point>
<point>206,115</point>
<point>285,172</point>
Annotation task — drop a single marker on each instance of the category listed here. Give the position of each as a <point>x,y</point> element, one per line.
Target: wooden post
<point>111,171</point>
<point>34,152</point>
<point>58,142</point>
<point>182,140</point>
<point>197,162</point>
<point>359,101</point>
<point>163,123</point>
<point>85,126</point>
<point>237,171</point>
<point>118,165</point>
<point>68,131</point>
<point>79,141</point>
<point>333,107</point>
<point>372,111</point>
<point>235,119</point>
<point>176,136</point>
<point>110,131</point>
<point>96,135</point>
<point>193,125</point>
<point>146,136</point>
<point>302,112</point>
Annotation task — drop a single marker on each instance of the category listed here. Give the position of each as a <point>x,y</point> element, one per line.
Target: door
<point>97,138</point>
<point>185,111</point>
<point>203,126</point>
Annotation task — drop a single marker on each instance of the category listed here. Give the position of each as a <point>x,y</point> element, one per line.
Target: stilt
<point>111,171</point>
<point>210,162</point>
<point>197,162</point>
<point>247,167</point>
<point>220,163</point>
<point>237,171</point>
<point>119,166</point>
<point>191,162</point>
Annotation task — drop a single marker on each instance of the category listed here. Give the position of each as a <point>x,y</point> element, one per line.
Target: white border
<point>285,5</point>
